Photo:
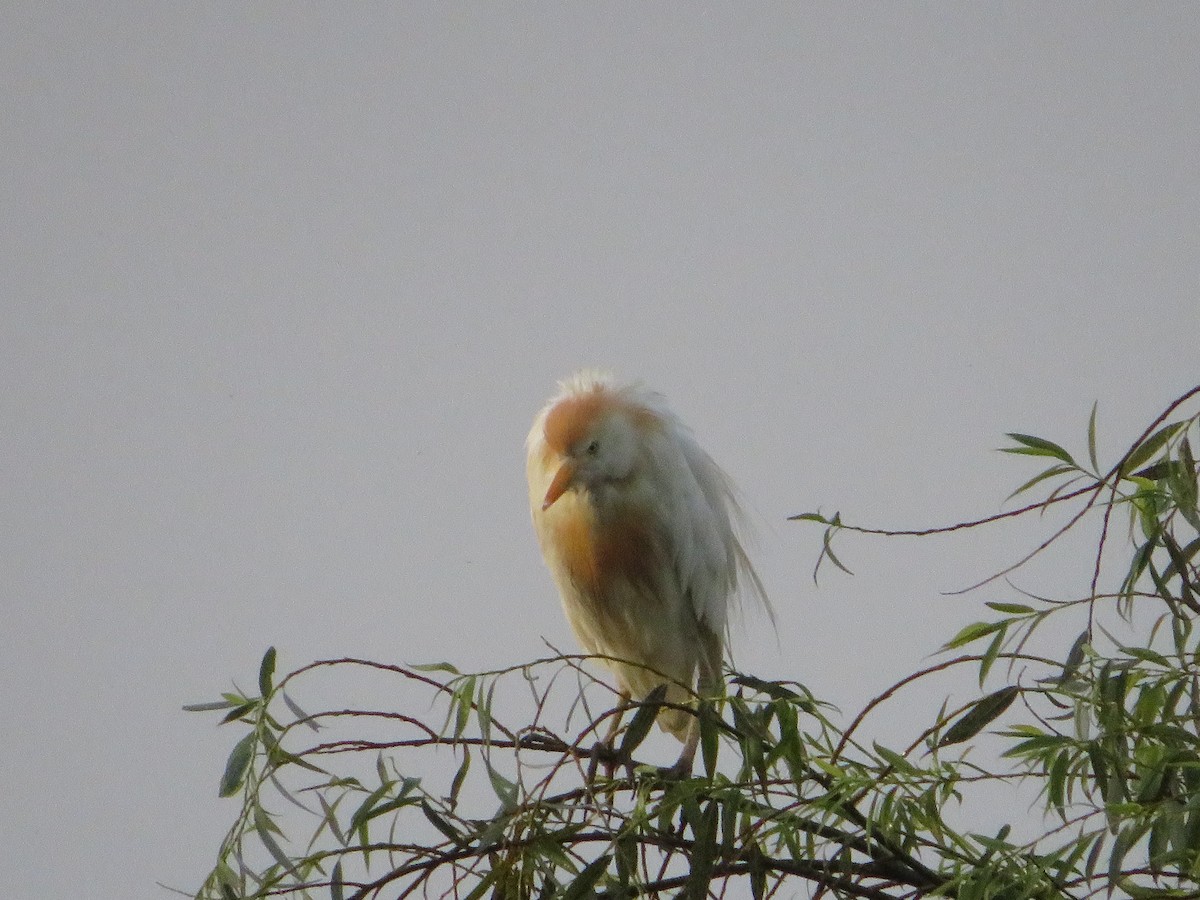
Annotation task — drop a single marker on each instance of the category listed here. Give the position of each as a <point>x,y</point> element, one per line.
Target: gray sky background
<point>283,287</point>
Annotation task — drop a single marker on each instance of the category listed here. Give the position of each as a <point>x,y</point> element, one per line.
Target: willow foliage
<point>789,798</point>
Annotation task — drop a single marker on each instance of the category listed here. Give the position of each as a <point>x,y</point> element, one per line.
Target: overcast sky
<point>284,285</point>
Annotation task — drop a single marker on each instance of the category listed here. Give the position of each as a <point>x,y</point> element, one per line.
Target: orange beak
<point>562,481</point>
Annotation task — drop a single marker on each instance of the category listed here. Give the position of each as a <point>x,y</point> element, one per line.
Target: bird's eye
<point>593,448</point>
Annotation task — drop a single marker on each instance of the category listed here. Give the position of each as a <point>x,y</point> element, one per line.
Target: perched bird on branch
<point>636,524</point>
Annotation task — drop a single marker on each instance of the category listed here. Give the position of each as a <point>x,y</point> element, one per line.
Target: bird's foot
<point>603,753</point>
<point>680,771</point>
<point>683,766</point>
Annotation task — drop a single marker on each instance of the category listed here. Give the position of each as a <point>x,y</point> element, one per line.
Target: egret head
<point>597,439</point>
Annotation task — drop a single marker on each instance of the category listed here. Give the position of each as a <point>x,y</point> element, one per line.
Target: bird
<point>639,529</point>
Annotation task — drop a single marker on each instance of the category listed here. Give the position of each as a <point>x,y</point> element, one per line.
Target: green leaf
<point>972,632</point>
<point>989,656</point>
<point>1075,655</point>
<point>1056,779</point>
<point>235,714</point>
<point>993,844</point>
<point>384,808</point>
<point>264,826</point>
<point>237,765</point>
<point>1016,609</point>
<point>464,697</point>
<point>776,690</point>
<point>1145,654</point>
<point>336,885</point>
<point>1093,857</point>
<point>981,714</point>
<point>643,718</point>
<point>583,883</point>
<point>459,777</point>
<point>791,745</point>
<point>895,760</point>
<point>437,667</point>
<point>331,818</point>
<point>809,517</point>
<point>266,673</point>
<point>1034,747</point>
<point>1091,438</point>
<point>363,813</point>
<point>703,854</point>
<point>231,885</point>
<point>484,711</point>
<point>485,884</point>
<point>710,738</point>
<point>828,551</point>
<point>1126,838</point>
<point>626,858</point>
<point>209,707</point>
<point>1181,557</point>
<point>1042,476</point>
<point>506,791</point>
<point>1187,495</point>
<point>300,714</point>
<point>758,873</point>
<point>1036,446</point>
<point>442,825</point>
<point>1148,448</point>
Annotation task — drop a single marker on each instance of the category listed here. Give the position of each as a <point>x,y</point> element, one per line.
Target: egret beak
<point>559,486</point>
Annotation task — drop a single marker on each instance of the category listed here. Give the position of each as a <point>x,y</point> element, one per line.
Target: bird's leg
<point>607,744</point>
<point>683,766</point>
<point>708,686</point>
